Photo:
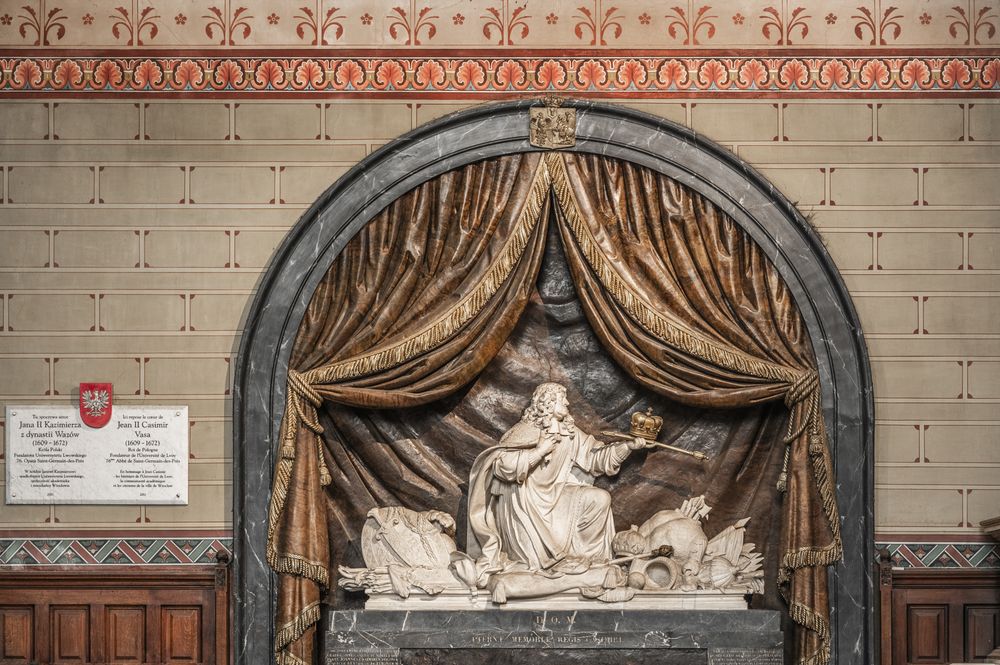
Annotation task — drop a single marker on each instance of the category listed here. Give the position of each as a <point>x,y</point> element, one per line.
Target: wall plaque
<point>746,656</point>
<point>139,457</point>
<point>372,656</point>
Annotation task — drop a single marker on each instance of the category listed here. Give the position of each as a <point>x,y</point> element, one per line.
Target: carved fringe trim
<point>296,565</point>
<point>807,557</point>
<point>803,616</point>
<point>293,630</point>
<point>672,332</point>
<point>447,325</point>
<point>285,657</point>
<point>282,476</point>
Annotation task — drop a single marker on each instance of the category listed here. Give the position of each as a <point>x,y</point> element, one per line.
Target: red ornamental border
<point>443,76</point>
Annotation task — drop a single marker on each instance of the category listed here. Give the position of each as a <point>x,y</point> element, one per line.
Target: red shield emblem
<point>95,403</point>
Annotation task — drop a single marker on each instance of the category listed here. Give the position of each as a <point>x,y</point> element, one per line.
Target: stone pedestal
<point>563,637</point>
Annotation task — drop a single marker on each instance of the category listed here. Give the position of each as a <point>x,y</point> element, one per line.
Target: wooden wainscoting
<point>135,615</point>
<point>935,616</point>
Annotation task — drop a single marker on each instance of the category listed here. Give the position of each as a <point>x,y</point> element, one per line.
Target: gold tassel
<point>324,473</point>
<point>282,474</point>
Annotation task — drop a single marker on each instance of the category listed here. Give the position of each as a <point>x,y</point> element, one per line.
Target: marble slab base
<point>543,637</point>
<point>451,600</point>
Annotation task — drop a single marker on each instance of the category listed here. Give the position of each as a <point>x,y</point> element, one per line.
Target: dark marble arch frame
<point>489,131</point>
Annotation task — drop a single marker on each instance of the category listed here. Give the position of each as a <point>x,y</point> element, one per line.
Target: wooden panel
<point>16,630</point>
<point>982,630</point>
<point>927,633</point>
<point>180,635</point>
<point>938,616</point>
<point>69,627</point>
<point>136,616</point>
<point>126,633</point>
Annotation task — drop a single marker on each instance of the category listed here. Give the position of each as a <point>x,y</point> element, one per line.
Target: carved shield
<point>95,403</point>
<point>397,535</point>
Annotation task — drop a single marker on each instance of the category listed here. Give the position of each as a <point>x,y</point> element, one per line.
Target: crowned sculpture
<point>541,534</point>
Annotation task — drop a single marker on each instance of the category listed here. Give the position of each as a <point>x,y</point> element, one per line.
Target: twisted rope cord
<point>292,631</point>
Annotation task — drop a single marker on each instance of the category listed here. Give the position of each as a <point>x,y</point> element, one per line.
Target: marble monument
<point>540,534</point>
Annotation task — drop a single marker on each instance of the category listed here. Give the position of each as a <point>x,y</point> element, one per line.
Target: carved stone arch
<point>490,131</point>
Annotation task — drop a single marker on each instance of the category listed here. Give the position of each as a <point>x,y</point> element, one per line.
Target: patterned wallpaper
<point>153,154</point>
<point>510,25</point>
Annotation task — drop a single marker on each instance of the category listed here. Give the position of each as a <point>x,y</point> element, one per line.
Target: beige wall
<point>135,223</point>
<point>130,248</point>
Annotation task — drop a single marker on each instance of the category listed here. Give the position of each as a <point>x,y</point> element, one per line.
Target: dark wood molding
<point>99,614</point>
<point>937,615</point>
<point>946,578</point>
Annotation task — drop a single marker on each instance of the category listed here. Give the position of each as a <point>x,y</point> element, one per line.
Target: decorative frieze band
<point>942,555</point>
<point>754,75</point>
<point>128,550</point>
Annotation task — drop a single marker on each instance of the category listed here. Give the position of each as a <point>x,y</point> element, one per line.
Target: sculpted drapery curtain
<point>422,299</point>
<point>414,307</point>
<point>690,307</point>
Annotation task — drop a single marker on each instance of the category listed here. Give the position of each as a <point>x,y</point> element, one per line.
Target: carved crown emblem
<point>646,425</point>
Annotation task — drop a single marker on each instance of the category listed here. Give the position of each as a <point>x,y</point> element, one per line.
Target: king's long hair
<point>539,411</point>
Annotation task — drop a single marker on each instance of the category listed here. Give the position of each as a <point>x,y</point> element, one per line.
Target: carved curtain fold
<point>425,296</point>
<point>692,309</point>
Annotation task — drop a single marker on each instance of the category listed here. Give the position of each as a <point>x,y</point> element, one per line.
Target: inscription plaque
<point>363,657</point>
<point>140,457</point>
<point>745,656</point>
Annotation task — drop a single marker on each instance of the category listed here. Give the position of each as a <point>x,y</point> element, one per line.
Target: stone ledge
<point>585,637</point>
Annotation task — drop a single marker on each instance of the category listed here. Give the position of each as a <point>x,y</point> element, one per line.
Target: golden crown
<point>646,425</point>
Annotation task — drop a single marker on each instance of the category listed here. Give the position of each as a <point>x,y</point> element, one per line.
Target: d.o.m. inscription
<point>745,656</point>
<point>372,656</point>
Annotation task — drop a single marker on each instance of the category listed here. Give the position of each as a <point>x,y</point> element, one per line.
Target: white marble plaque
<point>139,457</point>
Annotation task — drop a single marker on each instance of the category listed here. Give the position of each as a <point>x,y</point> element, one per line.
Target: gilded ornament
<point>553,126</point>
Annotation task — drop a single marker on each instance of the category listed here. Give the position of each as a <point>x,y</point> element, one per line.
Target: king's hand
<point>638,443</point>
<point>543,449</point>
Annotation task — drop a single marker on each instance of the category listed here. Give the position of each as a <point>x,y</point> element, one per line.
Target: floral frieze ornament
<point>553,126</point>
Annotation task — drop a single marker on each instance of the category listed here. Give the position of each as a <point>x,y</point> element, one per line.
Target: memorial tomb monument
<point>553,383</point>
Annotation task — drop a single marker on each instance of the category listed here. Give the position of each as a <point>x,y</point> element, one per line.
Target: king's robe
<point>546,517</point>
